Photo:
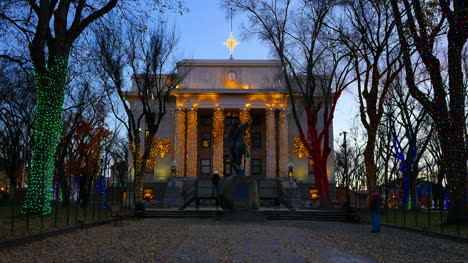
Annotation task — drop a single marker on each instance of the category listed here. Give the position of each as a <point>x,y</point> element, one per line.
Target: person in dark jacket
<point>374,206</point>
<point>215,180</point>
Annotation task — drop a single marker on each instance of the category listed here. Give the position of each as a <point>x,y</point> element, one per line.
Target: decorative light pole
<point>172,181</point>
<point>347,200</point>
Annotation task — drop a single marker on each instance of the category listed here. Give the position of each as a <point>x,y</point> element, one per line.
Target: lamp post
<point>172,181</point>
<point>290,171</point>
<point>347,201</point>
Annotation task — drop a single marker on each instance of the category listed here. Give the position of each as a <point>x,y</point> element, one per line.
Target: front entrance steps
<point>269,214</point>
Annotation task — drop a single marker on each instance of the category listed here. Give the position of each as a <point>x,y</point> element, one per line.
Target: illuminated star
<point>231,43</point>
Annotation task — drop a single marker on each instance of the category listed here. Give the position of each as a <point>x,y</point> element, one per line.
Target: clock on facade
<point>231,76</point>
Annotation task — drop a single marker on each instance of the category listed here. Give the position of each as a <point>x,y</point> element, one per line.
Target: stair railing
<point>189,192</point>
<point>286,198</point>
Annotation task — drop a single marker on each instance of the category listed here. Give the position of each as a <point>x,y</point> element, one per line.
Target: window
<point>226,144</point>
<point>206,139</point>
<point>256,166</point>
<point>205,120</point>
<point>256,140</point>
<point>205,168</point>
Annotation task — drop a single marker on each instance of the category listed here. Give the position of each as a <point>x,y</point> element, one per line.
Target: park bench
<point>118,215</point>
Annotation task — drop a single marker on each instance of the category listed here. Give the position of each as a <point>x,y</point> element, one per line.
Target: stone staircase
<point>313,215</point>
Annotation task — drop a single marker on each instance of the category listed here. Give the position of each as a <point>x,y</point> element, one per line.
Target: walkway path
<point>205,240</point>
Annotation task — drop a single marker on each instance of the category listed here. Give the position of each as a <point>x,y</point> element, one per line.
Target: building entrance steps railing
<point>290,195</point>
<point>271,192</point>
<point>199,190</point>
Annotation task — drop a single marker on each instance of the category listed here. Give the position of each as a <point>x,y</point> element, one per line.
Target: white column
<point>218,141</point>
<point>283,140</point>
<point>179,141</point>
<point>270,143</point>
<point>192,143</point>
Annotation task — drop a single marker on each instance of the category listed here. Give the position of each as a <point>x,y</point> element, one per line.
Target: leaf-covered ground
<point>205,240</point>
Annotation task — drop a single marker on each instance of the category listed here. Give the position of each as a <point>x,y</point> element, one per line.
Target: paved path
<point>206,241</point>
<point>257,243</point>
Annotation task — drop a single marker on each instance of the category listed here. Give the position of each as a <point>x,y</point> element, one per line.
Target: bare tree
<point>413,119</point>
<point>83,101</point>
<point>149,57</point>
<point>313,66</point>
<point>372,40</point>
<point>419,25</point>
<point>16,120</point>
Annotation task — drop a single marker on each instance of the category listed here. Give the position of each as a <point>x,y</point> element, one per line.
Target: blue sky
<point>205,28</point>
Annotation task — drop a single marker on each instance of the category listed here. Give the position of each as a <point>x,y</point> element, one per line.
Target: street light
<point>290,171</point>
<point>172,181</point>
<point>347,201</point>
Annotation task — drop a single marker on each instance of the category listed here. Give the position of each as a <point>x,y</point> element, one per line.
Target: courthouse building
<point>211,98</point>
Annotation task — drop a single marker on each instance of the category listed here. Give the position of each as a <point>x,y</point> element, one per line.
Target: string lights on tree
<point>159,149</point>
<point>47,128</point>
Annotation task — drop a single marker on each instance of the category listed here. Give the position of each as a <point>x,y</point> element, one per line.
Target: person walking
<point>215,180</point>
<point>374,205</point>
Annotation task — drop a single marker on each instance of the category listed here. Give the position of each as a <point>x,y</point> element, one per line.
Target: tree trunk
<point>65,192</point>
<point>321,182</point>
<point>369,160</point>
<point>455,171</point>
<point>413,189</point>
<point>139,182</point>
<point>50,83</point>
<point>454,141</point>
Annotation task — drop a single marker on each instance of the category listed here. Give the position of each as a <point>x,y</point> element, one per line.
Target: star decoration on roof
<point>231,43</point>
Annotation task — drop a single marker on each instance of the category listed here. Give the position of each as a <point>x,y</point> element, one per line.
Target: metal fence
<point>74,213</point>
<point>424,217</point>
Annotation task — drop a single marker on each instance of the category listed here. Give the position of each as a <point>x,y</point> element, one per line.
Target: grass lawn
<point>420,220</point>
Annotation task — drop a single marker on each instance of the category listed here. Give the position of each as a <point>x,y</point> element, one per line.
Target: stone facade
<point>215,94</point>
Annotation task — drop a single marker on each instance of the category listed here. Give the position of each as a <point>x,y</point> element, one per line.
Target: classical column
<point>283,139</point>
<point>244,116</point>
<point>218,141</point>
<point>192,143</point>
<point>179,141</point>
<point>270,143</point>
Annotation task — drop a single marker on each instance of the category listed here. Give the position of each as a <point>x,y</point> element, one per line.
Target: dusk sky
<point>205,28</point>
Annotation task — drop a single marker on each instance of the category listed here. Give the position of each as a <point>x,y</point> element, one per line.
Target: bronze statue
<point>238,148</point>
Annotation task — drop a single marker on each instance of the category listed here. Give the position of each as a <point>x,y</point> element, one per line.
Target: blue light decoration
<point>101,186</point>
<point>103,182</point>
<point>425,195</point>
<point>398,153</point>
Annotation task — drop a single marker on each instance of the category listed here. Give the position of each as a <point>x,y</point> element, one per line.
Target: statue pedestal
<point>239,192</point>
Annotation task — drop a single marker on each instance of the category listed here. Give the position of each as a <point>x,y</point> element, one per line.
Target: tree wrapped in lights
<point>299,149</point>
<point>50,81</point>
<point>420,24</point>
<point>159,149</point>
<point>404,161</point>
<point>50,29</point>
